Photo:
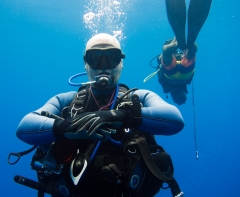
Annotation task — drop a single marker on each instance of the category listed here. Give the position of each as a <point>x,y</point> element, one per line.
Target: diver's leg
<point>197,14</point>
<point>176,13</point>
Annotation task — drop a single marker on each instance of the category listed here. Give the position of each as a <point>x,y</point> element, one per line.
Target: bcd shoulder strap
<point>139,141</point>
<point>80,102</point>
<point>148,159</point>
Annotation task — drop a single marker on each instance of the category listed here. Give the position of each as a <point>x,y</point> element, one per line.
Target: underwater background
<point>42,44</point>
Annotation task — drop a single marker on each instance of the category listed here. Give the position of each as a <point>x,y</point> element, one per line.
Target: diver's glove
<point>101,124</point>
<point>66,129</point>
<point>60,126</point>
<point>168,51</point>
<point>96,125</point>
<point>133,110</point>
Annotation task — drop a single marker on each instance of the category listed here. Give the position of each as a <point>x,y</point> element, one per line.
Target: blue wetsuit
<point>159,118</point>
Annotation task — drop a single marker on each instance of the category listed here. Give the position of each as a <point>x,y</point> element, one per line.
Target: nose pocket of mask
<point>103,63</point>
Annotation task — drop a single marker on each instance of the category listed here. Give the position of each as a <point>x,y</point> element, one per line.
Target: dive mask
<point>94,57</point>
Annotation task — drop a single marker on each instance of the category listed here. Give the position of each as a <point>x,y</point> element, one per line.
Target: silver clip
<point>76,110</point>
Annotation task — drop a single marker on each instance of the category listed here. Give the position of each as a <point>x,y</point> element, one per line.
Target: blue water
<point>42,44</point>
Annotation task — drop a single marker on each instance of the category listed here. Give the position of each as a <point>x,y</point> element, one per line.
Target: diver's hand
<point>102,134</point>
<point>100,125</point>
<point>168,50</point>
<point>95,125</point>
<point>67,128</point>
<point>60,126</point>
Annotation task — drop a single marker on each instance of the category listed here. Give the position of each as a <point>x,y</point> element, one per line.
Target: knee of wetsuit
<point>178,96</point>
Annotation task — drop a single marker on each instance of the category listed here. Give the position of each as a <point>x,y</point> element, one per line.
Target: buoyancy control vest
<point>138,167</point>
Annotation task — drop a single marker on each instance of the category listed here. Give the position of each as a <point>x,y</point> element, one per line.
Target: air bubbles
<point>107,16</point>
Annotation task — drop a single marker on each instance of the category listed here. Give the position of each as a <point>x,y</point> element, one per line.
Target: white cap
<point>103,41</point>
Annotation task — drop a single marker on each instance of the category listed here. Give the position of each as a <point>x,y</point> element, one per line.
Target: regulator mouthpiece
<point>103,81</point>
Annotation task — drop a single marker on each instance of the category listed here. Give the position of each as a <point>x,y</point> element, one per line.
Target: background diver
<point>176,68</point>
<point>83,145</point>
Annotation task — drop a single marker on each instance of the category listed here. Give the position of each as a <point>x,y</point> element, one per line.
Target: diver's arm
<point>159,117</point>
<point>167,52</point>
<point>36,129</point>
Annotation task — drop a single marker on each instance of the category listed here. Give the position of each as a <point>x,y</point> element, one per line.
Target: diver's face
<point>113,72</point>
<point>106,62</point>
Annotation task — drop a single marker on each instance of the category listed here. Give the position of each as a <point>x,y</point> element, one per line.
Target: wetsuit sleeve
<point>159,117</point>
<point>36,129</point>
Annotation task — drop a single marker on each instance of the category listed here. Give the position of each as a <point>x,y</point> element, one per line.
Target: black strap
<point>19,155</point>
<point>124,95</point>
<point>175,189</point>
<point>80,102</point>
<point>146,154</point>
<point>137,119</point>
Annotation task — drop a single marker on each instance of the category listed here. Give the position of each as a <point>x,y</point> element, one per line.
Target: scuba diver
<point>176,67</point>
<point>99,141</point>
